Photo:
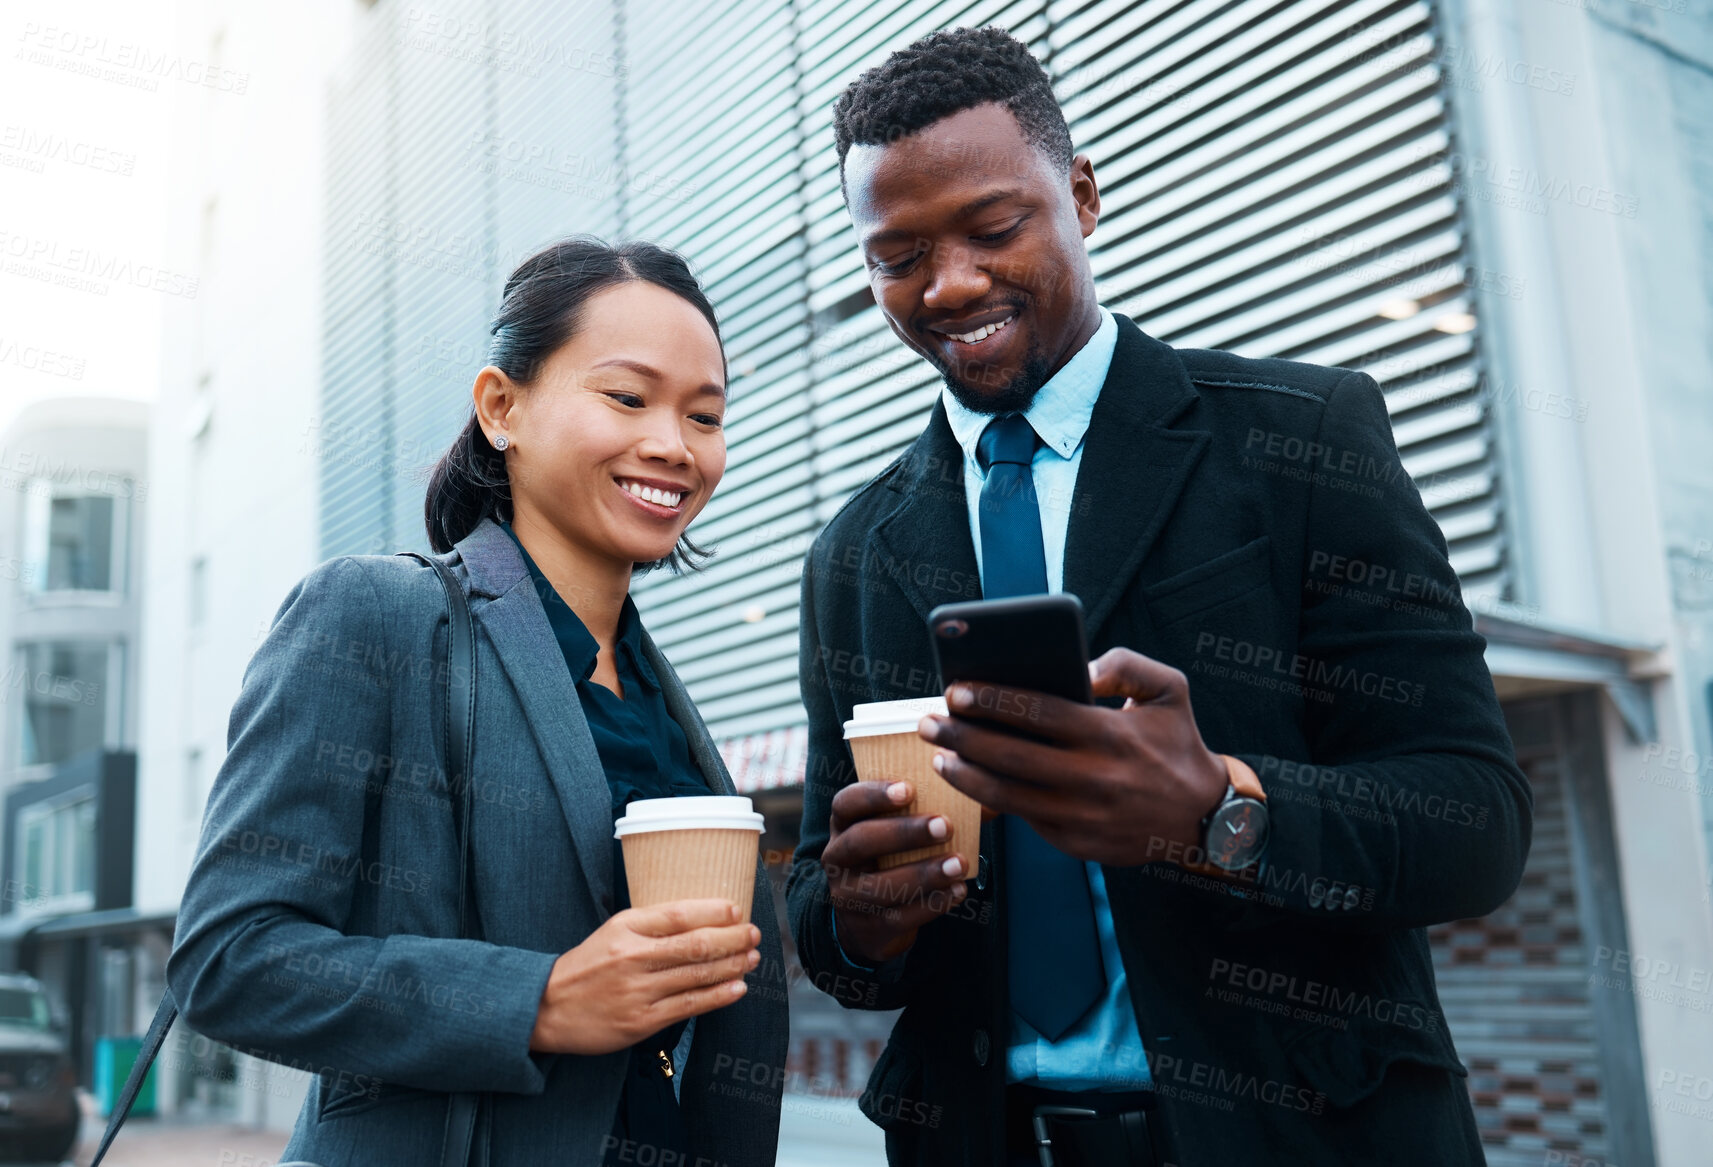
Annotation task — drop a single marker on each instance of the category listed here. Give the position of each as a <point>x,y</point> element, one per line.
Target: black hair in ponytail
<point>540,310</point>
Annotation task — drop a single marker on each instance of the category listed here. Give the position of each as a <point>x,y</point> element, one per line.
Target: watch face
<point>1237,834</point>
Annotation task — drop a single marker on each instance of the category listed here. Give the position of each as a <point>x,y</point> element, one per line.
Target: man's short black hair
<point>945,73</point>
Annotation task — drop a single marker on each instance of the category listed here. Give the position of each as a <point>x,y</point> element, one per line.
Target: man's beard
<point>1012,397</point>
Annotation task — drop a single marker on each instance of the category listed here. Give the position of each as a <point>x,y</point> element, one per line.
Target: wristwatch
<point>1234,833</point>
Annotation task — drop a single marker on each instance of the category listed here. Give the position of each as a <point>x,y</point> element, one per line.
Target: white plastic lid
<point>873,718</point>
<point>731,812</point>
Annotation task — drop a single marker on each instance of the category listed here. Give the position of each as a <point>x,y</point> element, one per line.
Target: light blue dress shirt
<point>1104,1050</point>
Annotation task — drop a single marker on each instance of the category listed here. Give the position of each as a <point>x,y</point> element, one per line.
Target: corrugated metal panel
<point>731,629</point>
<point>356,394</point>
<point>1274,182</point>
<point>460,139</point>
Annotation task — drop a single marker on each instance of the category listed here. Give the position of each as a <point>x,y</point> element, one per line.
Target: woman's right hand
<point>642,970</point>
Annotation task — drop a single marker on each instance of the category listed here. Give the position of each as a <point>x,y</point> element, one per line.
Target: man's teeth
<point>665,498</point>
<point>981,333</point>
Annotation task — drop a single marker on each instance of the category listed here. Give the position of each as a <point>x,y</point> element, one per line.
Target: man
<point>1194,935</point>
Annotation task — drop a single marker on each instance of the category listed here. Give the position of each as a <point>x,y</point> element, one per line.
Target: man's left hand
<point>1119,786</point>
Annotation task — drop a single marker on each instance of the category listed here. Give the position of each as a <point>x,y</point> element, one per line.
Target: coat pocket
<point>1347,1065</point>
<point>350,1094</point>
<point>893,1098</point>
<point>1207,585</point>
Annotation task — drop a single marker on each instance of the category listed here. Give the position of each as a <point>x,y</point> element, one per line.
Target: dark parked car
<point>38,1086</point>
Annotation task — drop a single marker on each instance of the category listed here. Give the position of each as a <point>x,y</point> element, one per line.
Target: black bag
<point>459,1147</point>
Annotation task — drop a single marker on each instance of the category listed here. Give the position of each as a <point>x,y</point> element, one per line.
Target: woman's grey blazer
<point>319,924</point>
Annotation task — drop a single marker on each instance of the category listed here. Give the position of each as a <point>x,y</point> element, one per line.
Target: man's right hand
<point>877,913</point>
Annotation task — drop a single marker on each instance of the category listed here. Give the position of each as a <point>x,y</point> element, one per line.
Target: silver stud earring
<point>501,442</point>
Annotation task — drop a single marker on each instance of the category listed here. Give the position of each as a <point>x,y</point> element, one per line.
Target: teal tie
<point>1054,949</point>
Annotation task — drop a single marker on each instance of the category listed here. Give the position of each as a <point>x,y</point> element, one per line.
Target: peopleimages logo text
<point>1319,674</point>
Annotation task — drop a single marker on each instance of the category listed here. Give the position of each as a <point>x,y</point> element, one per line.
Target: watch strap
<point>1243,778</point>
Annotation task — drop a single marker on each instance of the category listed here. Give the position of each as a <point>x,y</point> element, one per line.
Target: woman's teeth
<point>665,498</point>
<point>981,333</point>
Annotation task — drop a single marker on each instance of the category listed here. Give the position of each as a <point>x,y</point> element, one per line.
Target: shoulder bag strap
<point>152,1042</point>
<point>462,1109</point>
<point>460,725</point>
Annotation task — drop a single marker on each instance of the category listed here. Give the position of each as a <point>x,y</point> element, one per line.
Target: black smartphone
<point>1026,642</point>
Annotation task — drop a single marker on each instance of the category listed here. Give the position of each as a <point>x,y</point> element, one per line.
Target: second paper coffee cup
<point>886,748</point>
<point>690,848</point>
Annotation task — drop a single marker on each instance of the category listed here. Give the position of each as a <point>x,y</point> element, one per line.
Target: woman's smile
<point>654,497</point>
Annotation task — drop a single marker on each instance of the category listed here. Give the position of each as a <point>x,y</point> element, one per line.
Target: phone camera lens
<point>951,628</point>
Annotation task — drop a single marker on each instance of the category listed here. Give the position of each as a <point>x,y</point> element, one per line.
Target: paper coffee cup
<point>886,748</point>
<point>690,848</point>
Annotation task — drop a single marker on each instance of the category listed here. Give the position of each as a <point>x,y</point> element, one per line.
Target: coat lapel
<point>1133,470</point>
<point>516,625</point>
<point>924,546</point>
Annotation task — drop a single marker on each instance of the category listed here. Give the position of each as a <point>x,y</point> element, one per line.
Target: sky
<point>86,93</point>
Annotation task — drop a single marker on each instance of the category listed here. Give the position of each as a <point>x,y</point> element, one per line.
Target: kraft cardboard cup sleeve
<point>690,848</point>
<point>886,748</point>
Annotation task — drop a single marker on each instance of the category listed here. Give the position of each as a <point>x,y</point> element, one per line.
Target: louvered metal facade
<point>1276,180</point>
<point>461,137</point>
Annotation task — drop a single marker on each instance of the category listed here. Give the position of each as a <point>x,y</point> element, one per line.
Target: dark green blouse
<point>643,751</point>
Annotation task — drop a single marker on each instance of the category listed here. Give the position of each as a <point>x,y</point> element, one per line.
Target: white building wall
<point>1587,160</point>
<point>234,494</point>
<point>240,383</point>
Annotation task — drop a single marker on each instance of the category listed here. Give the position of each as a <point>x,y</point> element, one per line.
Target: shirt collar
<point>1061,410</point>
<point>630,644</point>
<point>578,646</point>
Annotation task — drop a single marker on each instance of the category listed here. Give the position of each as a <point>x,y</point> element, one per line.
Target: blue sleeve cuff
<point>843,955</point>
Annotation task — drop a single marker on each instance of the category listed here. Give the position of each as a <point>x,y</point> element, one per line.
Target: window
<point>35,855</point>
<point>70,541</point>
<point>65,700</point>
<point>58,843</point>
<point>80,544</point>
<point>24,1007</point>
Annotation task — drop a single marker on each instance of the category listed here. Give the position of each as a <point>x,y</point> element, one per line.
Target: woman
<point>320,925</point>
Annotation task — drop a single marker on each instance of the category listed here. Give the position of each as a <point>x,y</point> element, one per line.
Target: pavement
<point>826,1132</point>
<point>150,1143</point>
<point>813,1132</point>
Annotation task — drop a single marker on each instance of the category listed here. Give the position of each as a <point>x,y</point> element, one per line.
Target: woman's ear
<point>496,395</point>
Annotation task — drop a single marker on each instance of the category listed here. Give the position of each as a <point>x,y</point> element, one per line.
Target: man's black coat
<point>1249,523</point>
